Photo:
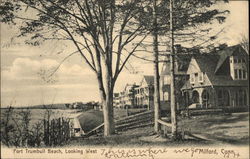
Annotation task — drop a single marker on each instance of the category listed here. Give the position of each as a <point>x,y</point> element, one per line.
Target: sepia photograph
<point>124,79</point>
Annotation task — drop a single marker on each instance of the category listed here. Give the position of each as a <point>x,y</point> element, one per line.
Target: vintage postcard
<point>124,79</point>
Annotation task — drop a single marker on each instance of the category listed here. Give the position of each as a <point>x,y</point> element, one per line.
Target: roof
<point>223,54</point>
<point>183,63</point>
<point>130,86</point>
<point>210,63</point>
<point>149,79</point>
<point>207,62</point>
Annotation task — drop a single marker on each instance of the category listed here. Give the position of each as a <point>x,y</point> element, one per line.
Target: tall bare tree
<point>100,30</point>
<point>245,43</point>
<point>172,73</point>
<point>156,69</point>
<point>186,24</point>
<point>179,22</point>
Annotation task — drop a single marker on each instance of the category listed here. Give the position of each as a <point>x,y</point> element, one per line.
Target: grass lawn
<point>90,119</point>
<point>223,128</point>
<point>140,137</point>
<point>214,129</point>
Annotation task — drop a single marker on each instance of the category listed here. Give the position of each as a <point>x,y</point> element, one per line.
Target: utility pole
<point>156,69</point>
<point>172,75</point>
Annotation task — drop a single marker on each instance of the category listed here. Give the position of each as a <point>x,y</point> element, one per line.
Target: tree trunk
<point>107,104</point>
<point>156,72</point>
<point>172,77</point>
<point>108,114</point>
<point>106,95</point>
<point>109,128</point>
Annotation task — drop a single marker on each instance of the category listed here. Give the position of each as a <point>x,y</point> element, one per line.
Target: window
<point>77,130</point>
<point>243,74</point>
<point>201,77</point>
<point>235,60</point>
<point>243,60</point>
<point>240,74</point>
<point>166,96</point>
<point>239,60</point>
<point>196,77</point>
<point>235,73</point>
<point>166,79</point>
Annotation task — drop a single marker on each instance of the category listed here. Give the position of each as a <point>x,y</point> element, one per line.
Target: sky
<point>22,65</point>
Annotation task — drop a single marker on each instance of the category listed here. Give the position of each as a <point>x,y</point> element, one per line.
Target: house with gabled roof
<point>125,98</point>
<point>180,71</point>
<point>144,94</point>
<point>218,79</point>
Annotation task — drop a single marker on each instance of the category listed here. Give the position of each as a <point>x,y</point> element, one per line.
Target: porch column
<point>200,96</point>
<point>214,96</point>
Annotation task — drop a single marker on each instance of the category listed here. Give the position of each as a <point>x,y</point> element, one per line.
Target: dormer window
<point>235,73</point>
<point>240,74</point>
<point>244,74</point>
<point>196,77</point>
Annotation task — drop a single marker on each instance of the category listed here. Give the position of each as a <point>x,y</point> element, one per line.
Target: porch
<point>216,97</point>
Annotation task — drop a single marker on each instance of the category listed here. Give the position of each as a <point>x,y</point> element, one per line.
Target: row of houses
<point>136,95</point>
<point>215,79</point>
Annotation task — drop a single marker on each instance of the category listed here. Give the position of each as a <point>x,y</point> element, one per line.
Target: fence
<point>56,132</point>
<point>165,127</point>
<point>135,121</point>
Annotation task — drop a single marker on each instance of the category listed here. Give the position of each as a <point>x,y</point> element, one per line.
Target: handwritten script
<point>153,152</point>
<point>132,153</point>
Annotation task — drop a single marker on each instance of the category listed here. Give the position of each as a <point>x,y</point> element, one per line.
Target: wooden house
<point>219,79</point>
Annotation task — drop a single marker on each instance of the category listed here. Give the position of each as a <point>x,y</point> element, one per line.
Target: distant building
<point>116,100</point>
<point>219,79</point>
<point>77,105</point>
<point>136,96</point>
<point>82,106</point>
<point>144,93</point>
<point>126,97</point>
